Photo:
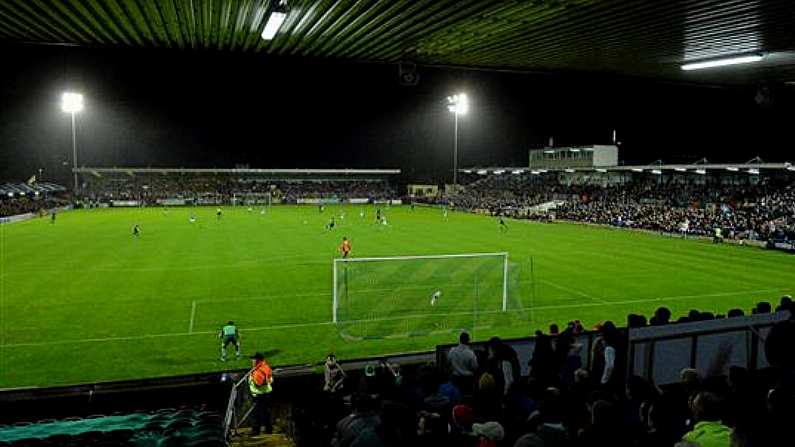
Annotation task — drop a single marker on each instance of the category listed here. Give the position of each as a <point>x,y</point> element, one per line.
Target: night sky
<point>207,109</point>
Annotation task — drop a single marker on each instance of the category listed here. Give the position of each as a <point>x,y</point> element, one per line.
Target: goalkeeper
<point>229,335</point>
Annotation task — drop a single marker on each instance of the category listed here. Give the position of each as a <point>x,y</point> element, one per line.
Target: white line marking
<point>329,323</point>
<point>576,292</point>
<point>192,316</point>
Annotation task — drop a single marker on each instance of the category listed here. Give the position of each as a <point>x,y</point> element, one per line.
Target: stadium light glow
<point>700,171</point>
<point>656,172</point>
<point>722,62</point>
<point>790,168</point>
<point>275,21</point>
<point>588,149</point>
<point>499,171</point>
<point>549,151</point>
<point>574,150</point>
<point>570,171</point>
<point>732,169</point>
<point>467,171</point>
<point>637,169</point>
<point>534,172</point>
<point>72,102</point>
<point>483,172</point>
<point>753,171</point>
<point>601,170</point>
<point>680,169</point>
<point>458,104</point>
<point>518,171</point>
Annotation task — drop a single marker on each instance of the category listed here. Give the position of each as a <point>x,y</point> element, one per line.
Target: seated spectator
<point>362,418</point>
<point>548,421</point>
<point>690,380</point>
<point>431,430</point>
<point>489,433</point>
<point>664,428</point>
<point>708,431</point>
<point>606,427</point>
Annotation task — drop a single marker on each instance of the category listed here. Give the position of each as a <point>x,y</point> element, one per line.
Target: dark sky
<point>209,109</point>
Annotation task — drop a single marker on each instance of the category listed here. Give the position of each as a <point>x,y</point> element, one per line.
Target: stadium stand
<point>223,187</point>
<point>763,209</point>
<point>21,198</point>
<point>186,427</point>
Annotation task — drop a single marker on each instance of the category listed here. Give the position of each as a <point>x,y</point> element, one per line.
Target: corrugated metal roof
<point>628,37</point>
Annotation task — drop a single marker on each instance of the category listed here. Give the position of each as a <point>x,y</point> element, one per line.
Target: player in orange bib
<point>345,248</point>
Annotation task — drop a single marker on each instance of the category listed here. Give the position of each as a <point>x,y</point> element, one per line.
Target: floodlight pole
<point>455,151</point>
<point>74,152</point>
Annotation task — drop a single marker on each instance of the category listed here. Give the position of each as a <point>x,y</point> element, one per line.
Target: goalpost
<point>394,296</point>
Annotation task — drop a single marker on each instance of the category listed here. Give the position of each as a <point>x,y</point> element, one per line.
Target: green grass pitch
<point>82,300</point>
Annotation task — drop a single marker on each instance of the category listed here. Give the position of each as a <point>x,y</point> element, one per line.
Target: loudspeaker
<point>407,74</point>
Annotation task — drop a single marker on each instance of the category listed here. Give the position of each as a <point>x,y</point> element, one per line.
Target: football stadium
<point>367,223</point>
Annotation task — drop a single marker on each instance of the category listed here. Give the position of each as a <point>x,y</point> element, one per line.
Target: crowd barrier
<point>659,353</point>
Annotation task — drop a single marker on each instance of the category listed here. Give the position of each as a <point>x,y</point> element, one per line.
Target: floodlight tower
<point>458,105</point>
<point>72,103</point>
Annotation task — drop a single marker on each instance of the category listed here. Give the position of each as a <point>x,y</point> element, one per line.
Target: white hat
<point>491,430</point>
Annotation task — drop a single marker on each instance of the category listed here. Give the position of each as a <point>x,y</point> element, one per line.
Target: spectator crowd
<point>763,210</point>
<point>479,397</point>
<point>213,188</point>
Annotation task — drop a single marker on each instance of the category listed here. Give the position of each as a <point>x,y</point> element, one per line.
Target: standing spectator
<point>610,336</point>
<point>708,431</point>
<point>463,365</point>
<point>662,316</point>
<point>569,351</point>
<point>542,363</point>
<point>260,381</point>
<point>334,375</point>
<point>504,361</point>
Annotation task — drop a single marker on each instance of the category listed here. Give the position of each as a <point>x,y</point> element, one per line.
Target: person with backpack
<point>260,384</point>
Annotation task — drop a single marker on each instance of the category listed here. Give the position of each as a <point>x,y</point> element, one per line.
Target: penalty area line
<point>192,316</point>
<point>576,292</point>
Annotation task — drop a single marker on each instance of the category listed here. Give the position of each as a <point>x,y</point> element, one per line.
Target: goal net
<point>406,296</point>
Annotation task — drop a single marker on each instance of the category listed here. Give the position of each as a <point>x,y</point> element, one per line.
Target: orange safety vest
<point>259,382</point>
